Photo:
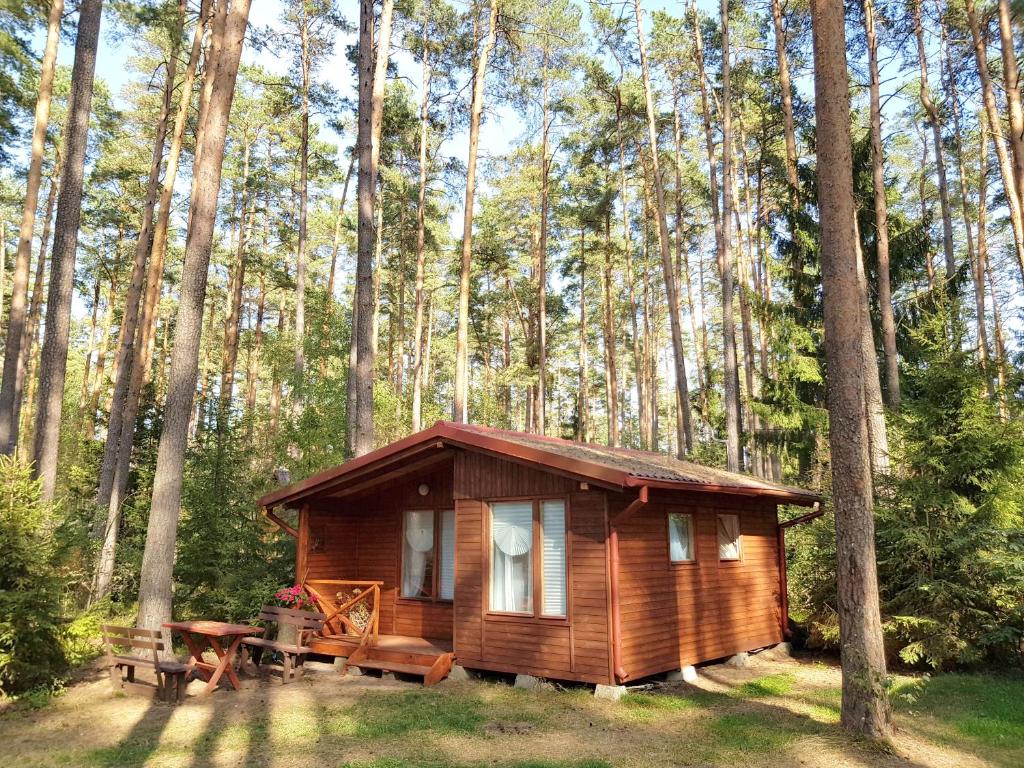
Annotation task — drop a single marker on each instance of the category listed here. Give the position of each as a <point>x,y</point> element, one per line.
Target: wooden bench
<point>120,644</point>
<point>292,649</point>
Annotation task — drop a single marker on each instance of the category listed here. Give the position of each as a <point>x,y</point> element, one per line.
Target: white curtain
<point>729,537</point>
<point>552,522</point>
<point>680,537</point>
<point>511,560</point>
<point>418,553</point>
<point>446,575</point>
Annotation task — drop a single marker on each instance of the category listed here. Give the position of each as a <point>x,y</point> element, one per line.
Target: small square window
<point>681,547</point>
<point>729,537</point>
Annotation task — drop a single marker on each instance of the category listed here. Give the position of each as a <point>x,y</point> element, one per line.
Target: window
<point>427,532</point>
<point>729,537</point>
<point>552,526</point>
<point>528,536</point>
<point>680,538</point>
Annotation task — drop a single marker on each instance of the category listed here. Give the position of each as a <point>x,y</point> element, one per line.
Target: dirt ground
<point>774,712</point>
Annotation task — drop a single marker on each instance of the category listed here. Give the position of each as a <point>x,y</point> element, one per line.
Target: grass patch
<point>390,763</point>
<point>985,710</point>
<point>396,714</point>
<point>650,706</point>
<point>741,732</point>
<point>769,685</point>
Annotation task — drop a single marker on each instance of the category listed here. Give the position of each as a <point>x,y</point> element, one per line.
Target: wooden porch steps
<point>431,659</point>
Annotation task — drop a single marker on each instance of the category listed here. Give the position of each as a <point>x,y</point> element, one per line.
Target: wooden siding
<point>575,648</point>
<point>678,614</point>
<point>359,538</point>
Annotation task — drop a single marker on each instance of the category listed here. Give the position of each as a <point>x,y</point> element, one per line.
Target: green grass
<point>769,685</point>
<point>427,763</point>
<point>985,712</point>
<point>746,732</point>
<point>397,714</point>
<point>765,718</point>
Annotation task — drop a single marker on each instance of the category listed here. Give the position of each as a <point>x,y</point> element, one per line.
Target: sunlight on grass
<point>427,763</point>
<point>396,714</point>
<point>749,733</point>
<point>644,707</point>
<point>769,685</point>
<point>985,710</point>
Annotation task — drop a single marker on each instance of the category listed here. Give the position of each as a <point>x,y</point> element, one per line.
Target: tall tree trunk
<point>733,455</point>
<point>608,328</point>
<point>130,318</point>
<point>54,356</point>
<point>892,366</point>
<point>935,122</point>
<point>421,236</point>
<point>155,590</point>
<point>684,422</point>
<point>233,317</point>
<point>627,243</point>
<point>26,360</point>
<point>1014,201</point>
<point>789,131</point>
<point>979,266</point>
<point>300,261</point>
<point>372,74</point>
<point>9,405</point>
<point>1011,86</point>
<point>542,256</point>
<point>682,257</point>
<point>253,368</point>
<point>460,409</point>
<point>865,708</point>
<point>582,397</point>
<point>117,457</point>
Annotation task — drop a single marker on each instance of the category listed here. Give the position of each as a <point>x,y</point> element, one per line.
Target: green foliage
<point>31,654</point>
<point>950,529</point>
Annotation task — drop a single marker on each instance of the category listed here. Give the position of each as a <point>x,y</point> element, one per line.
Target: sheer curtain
<point>511,558</point>
<point>729,537</point>
<point>418,554</point>
<point>680,537</point>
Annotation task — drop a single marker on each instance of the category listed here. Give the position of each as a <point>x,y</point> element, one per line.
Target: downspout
<point>613,580</point>
<point>817,512</point>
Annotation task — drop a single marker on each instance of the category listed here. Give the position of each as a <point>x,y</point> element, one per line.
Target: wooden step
<point>392,666</point>
<point>411,658</point>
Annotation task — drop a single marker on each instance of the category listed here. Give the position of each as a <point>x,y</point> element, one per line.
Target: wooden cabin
<point>518,553</point>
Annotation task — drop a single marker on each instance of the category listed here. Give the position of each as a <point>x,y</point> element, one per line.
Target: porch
<point>352,631</point>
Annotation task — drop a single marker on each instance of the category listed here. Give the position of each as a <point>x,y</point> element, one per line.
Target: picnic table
<point>198,635</point>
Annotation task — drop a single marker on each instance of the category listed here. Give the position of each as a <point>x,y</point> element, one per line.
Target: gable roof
<point>616,468</point>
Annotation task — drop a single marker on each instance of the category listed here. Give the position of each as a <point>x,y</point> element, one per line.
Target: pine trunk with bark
<point>155,583</point>
<point>13,344</point>
<point>460,409</point>
<point>684,426</point>
<point>865,707</point>
<point>54,355</point>
<point>421,238</point>
<point>372,74</point>
<point>892,366</point>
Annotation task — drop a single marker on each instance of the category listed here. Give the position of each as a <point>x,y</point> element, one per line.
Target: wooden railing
<point>338,598</point>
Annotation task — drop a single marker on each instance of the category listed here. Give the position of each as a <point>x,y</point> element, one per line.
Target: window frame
<point>536,616</point>
<point>694,560</point>
<point>435,585</point>
<point>739,537</point>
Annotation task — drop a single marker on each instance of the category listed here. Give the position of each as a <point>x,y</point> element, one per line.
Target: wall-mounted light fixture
<point>424,489</point>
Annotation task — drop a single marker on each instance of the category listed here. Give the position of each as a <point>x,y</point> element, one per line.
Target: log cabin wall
<point>359,538</point>
<point>678,614</point>
<point>575,648</point>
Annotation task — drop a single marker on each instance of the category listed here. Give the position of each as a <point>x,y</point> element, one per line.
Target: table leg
<point>197,655</point>
<point>225,663</point>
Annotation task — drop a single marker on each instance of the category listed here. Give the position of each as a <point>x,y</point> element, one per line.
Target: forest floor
<point>780,712</point>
